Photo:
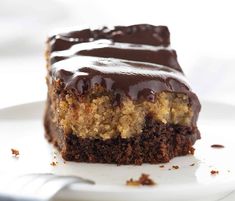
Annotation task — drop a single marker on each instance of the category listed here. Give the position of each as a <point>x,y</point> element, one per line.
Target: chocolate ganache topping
<point>136,61</point>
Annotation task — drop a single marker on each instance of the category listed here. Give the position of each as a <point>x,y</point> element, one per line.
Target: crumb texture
<point>217,146</point>
<point>214,172</point>
<point>15,152</point>
<point>157,143</point>
<point>143,180</point>
<point>95,114</point>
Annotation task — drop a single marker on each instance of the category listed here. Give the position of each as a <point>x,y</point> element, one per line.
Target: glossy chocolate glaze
<point>134,61</point>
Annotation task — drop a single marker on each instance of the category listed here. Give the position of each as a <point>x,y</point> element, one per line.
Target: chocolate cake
<point>118,95</point>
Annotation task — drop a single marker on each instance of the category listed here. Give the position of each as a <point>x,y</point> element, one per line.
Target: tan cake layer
<point>95,116</point>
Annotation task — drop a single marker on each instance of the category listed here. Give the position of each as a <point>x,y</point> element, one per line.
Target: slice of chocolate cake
<point>118,96</point>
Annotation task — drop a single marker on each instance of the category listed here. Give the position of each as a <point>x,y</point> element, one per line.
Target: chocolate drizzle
<point>135,61</point>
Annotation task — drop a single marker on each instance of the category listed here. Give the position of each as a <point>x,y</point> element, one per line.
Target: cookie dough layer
<point>95,115</point>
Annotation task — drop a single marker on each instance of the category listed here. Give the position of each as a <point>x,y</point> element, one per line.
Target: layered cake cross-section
<point>118,95</point>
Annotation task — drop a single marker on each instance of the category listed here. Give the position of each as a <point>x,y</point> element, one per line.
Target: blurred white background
<point>202,32</point>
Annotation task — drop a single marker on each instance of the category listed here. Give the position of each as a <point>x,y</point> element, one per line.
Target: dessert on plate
<point>118,95</point>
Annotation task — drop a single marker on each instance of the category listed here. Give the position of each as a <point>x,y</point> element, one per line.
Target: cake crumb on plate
<point>214,172</point>
<point>217,146</point>
<point>53,163</point>
<point>143,180</point>
<point>15,152</point>
<point>175,167</point>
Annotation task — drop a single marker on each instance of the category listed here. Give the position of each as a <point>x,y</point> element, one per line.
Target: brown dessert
<point>118,96</point>
<point>15,152</point>
<point>213,172</point>
<point>143,180</point>
<point>217,146</point>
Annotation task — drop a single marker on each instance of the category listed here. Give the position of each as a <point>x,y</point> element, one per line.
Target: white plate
<point>21,127</point>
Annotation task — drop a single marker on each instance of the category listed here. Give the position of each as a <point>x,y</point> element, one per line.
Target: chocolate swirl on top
<point>135,61</point>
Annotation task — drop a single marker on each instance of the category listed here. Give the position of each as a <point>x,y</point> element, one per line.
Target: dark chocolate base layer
<point>158,143</point>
